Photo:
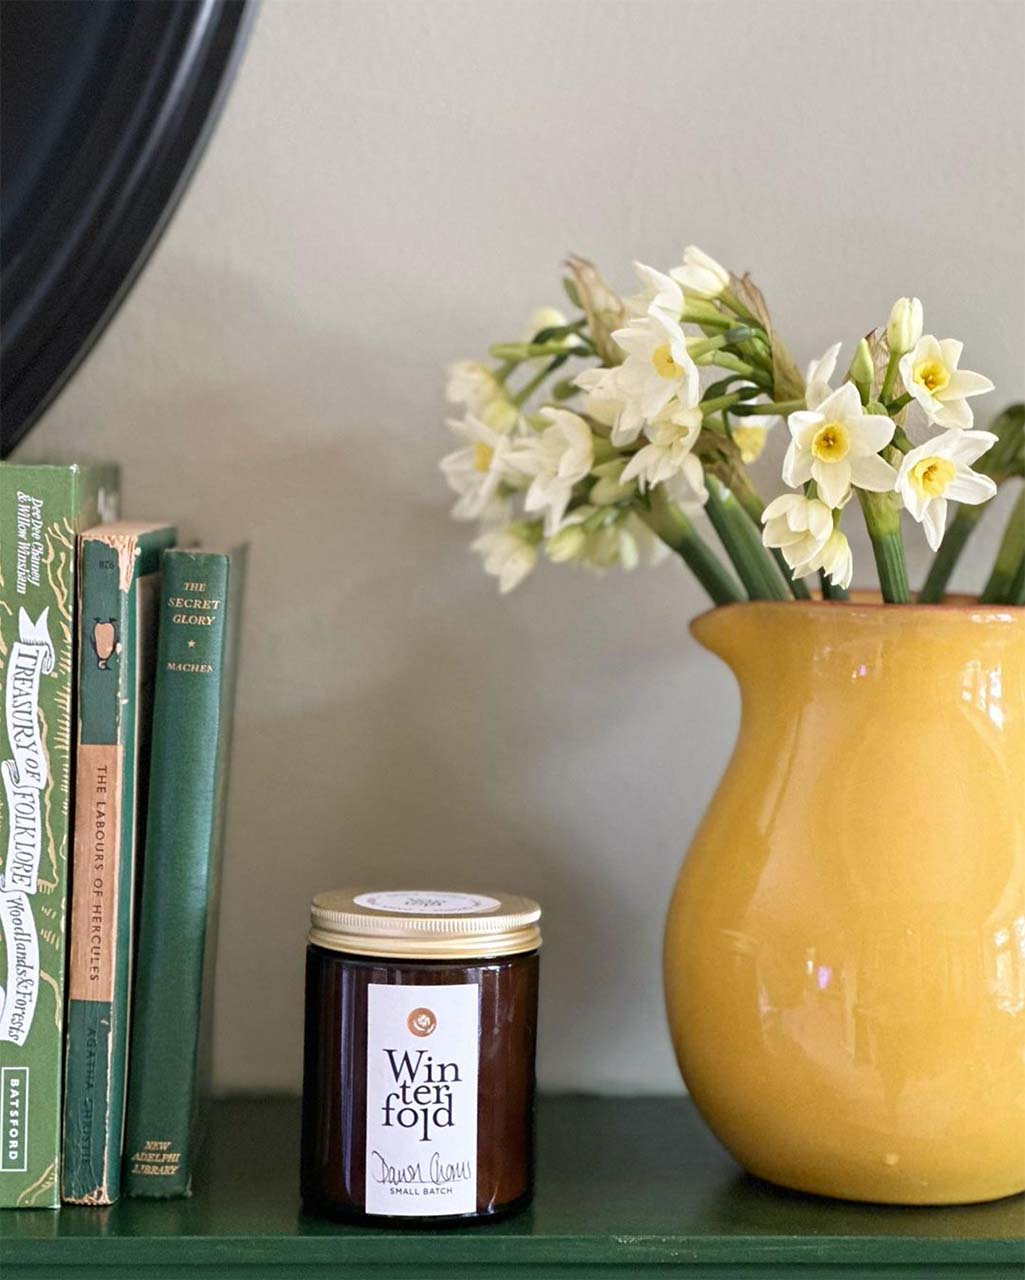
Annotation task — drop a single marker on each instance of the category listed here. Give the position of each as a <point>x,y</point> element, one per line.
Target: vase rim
<point>861,603</point>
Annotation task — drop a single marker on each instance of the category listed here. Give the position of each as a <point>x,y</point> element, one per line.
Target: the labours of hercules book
<point>119,594</point>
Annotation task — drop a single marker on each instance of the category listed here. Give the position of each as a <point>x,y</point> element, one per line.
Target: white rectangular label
<point>422,1045</point>
<point>14,1119</point>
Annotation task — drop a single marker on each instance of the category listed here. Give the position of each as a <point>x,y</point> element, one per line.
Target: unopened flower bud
<point>568,544</point>
<point>862,371</point>
<point>607,489</point>
<point>700,276</point>
<point>905,325</point>
<point>545,318</point>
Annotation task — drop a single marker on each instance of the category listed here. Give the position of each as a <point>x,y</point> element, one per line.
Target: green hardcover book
<point>119,595</point>
<point>42,511</point>
<point>172,1004</point>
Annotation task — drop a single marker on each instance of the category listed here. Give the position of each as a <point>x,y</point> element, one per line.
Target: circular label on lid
<point>421,902</point>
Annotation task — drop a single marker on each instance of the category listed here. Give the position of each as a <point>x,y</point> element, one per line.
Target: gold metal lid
<point>423,924</point>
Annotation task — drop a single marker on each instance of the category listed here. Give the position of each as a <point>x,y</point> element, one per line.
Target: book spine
<point>115,661</point>
<point>41,511</point>
<point>186,780</point>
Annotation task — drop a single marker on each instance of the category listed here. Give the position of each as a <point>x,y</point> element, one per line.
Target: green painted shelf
<point>625,1187</point>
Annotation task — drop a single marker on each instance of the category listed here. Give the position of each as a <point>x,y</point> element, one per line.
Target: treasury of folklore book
<point>42,510</point>
<point>192,713</point>
<point>119,594</point>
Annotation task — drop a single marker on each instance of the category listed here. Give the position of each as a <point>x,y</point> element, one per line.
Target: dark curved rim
<point>157,111</point>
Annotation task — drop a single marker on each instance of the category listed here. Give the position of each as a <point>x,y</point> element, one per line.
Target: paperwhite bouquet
<point>608,467</point>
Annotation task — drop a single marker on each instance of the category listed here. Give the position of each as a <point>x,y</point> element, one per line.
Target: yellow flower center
<point>931,476</point>
<point>931,374</point>
<point>750,441</point>
<point>832,442</point>
<point>665,365</point>
<point>482,456</point>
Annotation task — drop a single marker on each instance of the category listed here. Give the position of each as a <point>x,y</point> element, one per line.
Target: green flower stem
<point>729,298</point>
<point>713,320</point>
<point>1008,454</point>
<point>572,329</point>
<point>781,407</point>
<point>954,540</point>
<point>759,357</point>
<point>742,539</point>
<point>890,376</point>
<point>829,590</point>
<point>518,351</point>
<point>725,402</point>
<point>751,501</point>
<point>705,311</point>
<point>900,440</point>
<point>1017,593</point>
<point>524,394</point>
<point>726,360</point>
<point>882,516</point>
<point>1003,581</point>
<point>701,346</point>
<point>665,519</point>
<point>895,406</point>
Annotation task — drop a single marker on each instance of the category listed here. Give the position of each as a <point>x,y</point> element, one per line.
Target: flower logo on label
<point>421,1022</point>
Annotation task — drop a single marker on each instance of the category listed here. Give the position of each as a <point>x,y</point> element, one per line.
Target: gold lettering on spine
<point>156,1160</point>
<point>94,897</point>
<point>198,609</point>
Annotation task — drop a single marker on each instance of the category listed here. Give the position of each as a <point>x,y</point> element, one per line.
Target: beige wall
<point>393,185</point>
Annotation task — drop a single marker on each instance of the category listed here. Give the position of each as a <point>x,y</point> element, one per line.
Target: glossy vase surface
<point>845,947</point>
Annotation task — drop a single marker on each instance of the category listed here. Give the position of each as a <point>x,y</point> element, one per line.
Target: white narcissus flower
<point>687,488</point>
<point>637,543</point>
<point>818,374</point>
<point>700,275</point>
<point>659,292</point>
<point>834,559</point>
<point>509,553</point>
<point>656,370</point>
<point>672,436</point>
<point>837,445</point>
<point>798,526</point>
<point>476,471</point>
<point>472,383</point>
<point>604,399</point>
<point>555,460</point>
<point>940,470</point>
<point>931,375</point>
<point>905,325</point>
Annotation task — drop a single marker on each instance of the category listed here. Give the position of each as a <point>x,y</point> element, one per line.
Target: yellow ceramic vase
<point>845,949</point>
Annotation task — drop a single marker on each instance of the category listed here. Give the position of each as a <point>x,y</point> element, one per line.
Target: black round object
<point>104,110</point>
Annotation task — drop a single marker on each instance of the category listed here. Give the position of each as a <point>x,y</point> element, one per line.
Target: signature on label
<point>439,1172</point>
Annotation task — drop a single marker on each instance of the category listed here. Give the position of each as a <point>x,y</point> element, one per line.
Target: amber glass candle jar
<point>418,1084</point>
